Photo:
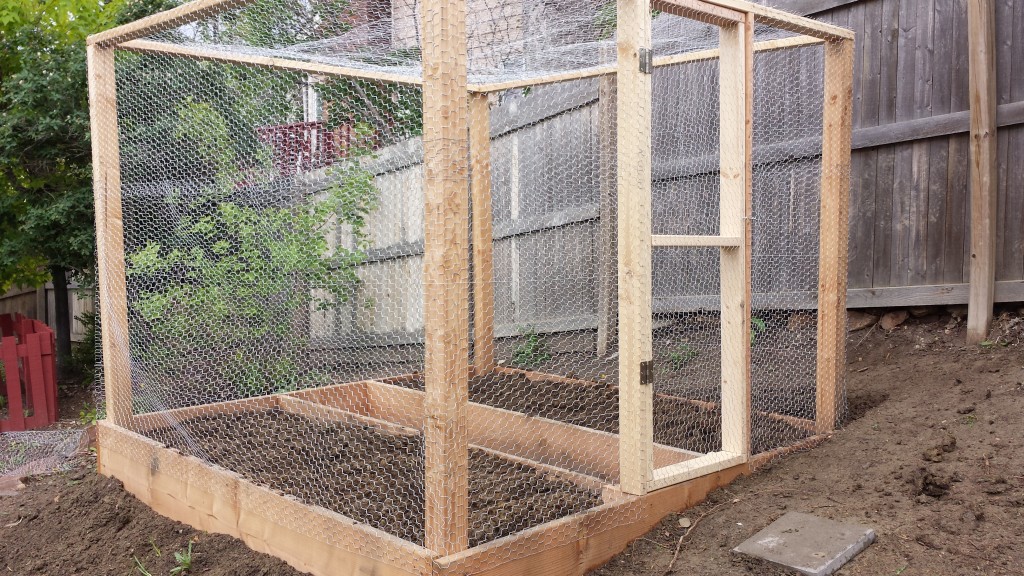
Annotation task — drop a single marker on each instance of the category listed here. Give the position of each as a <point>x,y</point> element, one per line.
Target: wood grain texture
<point>833,242</point>
<point>607,291</point>
<point>483,236</point>
<point>446,274</point>
<point>633,119</point>
<point>208,498</point>
<point>982,89</point>
<point>177,16</point>
<point>736,119</point>
<point>199,53</point>
<point>106,178</point>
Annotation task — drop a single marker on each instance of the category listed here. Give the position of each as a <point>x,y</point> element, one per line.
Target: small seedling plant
<point>532,352</point>
<point>183,561</point>
<point>681,356</point>
<point>757,326</point>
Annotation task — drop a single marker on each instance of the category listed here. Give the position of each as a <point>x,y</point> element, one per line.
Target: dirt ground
<point>932,461</point>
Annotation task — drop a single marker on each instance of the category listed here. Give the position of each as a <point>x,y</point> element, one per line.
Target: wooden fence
<point>29,368</point>
<point>39,304</point>
<point>910,213</point>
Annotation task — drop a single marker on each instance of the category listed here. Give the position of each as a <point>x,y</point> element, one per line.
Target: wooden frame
<point>197,53</point>
<point>326,543</point>
<point>483,235</point>
<point>642,481</point>
<point>106,178</point>
<point>633,171</point>
<point>736,48</point>
<point>834,226</point>
<point>446,274</point>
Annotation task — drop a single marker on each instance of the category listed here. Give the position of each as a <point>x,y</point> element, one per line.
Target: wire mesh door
<point>692,340</point>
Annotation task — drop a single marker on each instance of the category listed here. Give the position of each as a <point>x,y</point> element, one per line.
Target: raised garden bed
<point>371,475</point>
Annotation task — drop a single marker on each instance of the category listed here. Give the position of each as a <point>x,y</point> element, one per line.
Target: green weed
<point>88,415</point>
<point>532,352</point>
<point>682,356</point>
<point>183,559</point>
<point>757,326</point>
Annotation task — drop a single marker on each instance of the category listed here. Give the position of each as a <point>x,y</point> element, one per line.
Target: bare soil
<point>939,508</point>
<point>933,460</point>
<point>370,475</point>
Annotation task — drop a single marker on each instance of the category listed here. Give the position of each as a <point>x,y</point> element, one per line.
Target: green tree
<point>46,207</point>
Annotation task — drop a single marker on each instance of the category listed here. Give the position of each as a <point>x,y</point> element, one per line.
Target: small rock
<point>922,499</point>
<point>919,311</point>
<point>685,523</point>
<point>957,311</point>
<point>929,484</point>
<point>966,409</point>
<point>948,443</point>
<point>932,455</point>
<point>891,320</point>
<point>859,320</point>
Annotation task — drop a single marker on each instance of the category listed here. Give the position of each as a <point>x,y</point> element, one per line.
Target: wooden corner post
<point>833,233</point>
<point>483,236</point>
<point>633,124</point>
<point>736,120</point>
<point>446,274</point>
<point>106,178</point>
<point>984,179</point>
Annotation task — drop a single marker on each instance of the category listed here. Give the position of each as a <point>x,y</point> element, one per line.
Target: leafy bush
<point>226,287</point>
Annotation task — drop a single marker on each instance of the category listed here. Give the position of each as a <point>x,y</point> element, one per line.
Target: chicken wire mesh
<point>290,263</point>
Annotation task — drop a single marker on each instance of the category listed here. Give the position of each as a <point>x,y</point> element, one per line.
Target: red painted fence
<point>28,370</point>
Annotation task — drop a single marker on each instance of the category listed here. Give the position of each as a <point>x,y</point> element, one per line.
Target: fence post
<point>633,121</point>
<point>984,179</point>
<point>833,233</point>
<point>446,274</point>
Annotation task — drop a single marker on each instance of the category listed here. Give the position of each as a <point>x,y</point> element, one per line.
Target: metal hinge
<point>646,60</point>
<point>647,372</point>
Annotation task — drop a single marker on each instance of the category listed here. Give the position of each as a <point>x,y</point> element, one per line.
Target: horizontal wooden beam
<point>808,7</point>
<point>931,127</point>
<point>574,448</point>
<point>178,16</point>
<point>199,53</point>
<point>930,295</point>
<point>699,11</point>
<point>694,241</point>
<point>785,20</point>
<point>669,60</point>
<point>683,471</point>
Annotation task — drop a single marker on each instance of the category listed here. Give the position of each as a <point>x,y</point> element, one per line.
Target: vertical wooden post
<point>636,431</point>
<point>736,120</point>
<point>446,274</point>
<point>833,233</point>
<point>607,319</point>
<point>106,177</point>
<point>483,237</point>
<point>982,89</point>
